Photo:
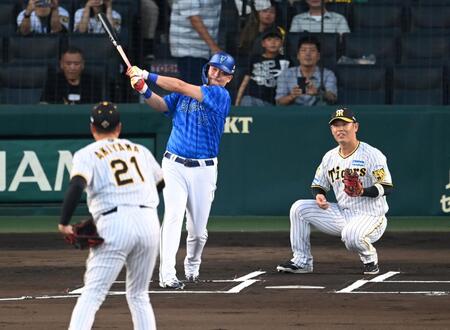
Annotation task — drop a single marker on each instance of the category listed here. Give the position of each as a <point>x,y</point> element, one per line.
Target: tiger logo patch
<point>379,174</point>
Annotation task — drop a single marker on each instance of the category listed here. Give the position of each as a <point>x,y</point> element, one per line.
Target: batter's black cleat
<point>371,268</point>
<point>174,284</point>
<point>192,279</point>
<point>290,267</point>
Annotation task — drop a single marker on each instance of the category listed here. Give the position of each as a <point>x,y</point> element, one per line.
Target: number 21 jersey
<point>117,172</point>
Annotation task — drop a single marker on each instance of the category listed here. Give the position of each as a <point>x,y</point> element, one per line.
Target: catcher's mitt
<point>353,186</point>
<point>84,235</point>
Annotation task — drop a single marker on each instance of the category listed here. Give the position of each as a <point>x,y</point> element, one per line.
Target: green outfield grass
<point>41,224</point>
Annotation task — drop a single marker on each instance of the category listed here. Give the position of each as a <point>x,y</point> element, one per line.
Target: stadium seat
<point>418,85</point>
<point>2,50</point>
<point>384,48</point>
<point>329,44</point>
<point>97,48</point>
<point>36,49</point>
<point>379,18</point>
<point>361,84</point>
<point>430,18</point>
<point>100,70</point>
<point>7,19</point>
<point>425,49</point>
<point>229,29</point>
<point>21,84</point>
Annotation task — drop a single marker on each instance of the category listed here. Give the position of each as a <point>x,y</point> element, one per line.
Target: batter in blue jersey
<point>190,162</point>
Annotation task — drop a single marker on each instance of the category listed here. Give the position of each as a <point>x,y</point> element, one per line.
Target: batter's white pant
<point>188,190</point>
<point>131,238</point>
<point>357,231</point>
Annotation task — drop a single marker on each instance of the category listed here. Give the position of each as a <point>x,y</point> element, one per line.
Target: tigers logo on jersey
<point>379,174</point>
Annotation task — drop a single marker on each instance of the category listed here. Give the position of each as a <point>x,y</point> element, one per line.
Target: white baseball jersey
<point>371,165</point>
<point>117,172</point>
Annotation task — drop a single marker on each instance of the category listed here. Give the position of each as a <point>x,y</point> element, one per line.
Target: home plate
<point>295,287</point>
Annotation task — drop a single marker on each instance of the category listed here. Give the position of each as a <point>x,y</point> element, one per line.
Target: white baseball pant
<point>188,190</point>
<point>357,231</point>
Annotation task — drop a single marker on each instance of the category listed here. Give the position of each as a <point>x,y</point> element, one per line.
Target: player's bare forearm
<point>197,24</point>
<point>179,86</point>
<point>157,102</point>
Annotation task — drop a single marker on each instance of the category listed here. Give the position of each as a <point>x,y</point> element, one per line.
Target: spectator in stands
<point>149,22</point>
<point>43,16</point>
<point>311,20</point>
<point>307,84</point>
<point>71,85</point>
<point>85,20</point>
<point>194,27</point>
<point>262,73</point>
<point>260,20</point>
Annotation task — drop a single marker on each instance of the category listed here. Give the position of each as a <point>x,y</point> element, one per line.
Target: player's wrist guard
<point>153,77</point>
<point>147,94</point>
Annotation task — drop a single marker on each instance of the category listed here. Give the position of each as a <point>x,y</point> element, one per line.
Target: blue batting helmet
<point>220,60</point>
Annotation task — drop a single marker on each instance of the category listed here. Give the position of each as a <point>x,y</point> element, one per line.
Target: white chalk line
<point>382,279</point>
<point>295,287</point>
<point>429,293</point>
<point>244,282</point>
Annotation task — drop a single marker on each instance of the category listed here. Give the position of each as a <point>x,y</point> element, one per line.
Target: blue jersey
<point>197,126</point>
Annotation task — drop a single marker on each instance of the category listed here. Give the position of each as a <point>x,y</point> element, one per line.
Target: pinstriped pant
<point>357,231</point>
<point>131,238</point>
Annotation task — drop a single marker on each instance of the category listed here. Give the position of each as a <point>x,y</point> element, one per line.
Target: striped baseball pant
<point>131,239</point>
<point>357,231</point>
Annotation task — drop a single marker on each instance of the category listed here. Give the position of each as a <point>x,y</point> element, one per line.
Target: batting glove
<point>140,86</point>
<point>136,71</point>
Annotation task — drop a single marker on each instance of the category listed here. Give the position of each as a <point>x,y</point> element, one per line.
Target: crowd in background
<point>286,50</point>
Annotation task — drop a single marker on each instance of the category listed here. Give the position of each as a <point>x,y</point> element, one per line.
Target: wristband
<point>380,189</point>
<point>153,77</point>
<point>147,94</point>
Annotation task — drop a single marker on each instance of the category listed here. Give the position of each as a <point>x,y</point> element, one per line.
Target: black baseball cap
<point>344,114</point>
<point>105,116</point>
<point>273,32</point>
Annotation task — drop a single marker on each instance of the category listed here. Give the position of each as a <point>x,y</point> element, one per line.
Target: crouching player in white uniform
<point>360,220</point>
<point>190,162</point>
<point>120,178</point>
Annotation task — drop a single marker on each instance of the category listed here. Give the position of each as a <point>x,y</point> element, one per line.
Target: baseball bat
<point>113,37</point>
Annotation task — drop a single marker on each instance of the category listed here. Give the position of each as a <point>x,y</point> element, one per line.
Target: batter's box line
<point>244,282</point>
<point>382,279</point>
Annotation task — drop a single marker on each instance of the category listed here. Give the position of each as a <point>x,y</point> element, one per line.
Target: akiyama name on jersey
<point>115,147</point>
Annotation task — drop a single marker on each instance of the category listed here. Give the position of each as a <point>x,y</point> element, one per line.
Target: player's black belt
<point>115,210</point>
<point>188,162</point>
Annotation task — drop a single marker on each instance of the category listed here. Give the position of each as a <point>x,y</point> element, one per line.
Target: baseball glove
<point>353,186</point>
<point>84,235</point>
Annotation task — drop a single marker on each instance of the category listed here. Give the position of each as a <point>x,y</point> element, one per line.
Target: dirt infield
<point>412,290</point>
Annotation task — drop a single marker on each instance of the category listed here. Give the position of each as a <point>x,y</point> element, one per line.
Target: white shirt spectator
<point>184,39</point>
<point>38,26</point>
<point>333,23</point>
<point>95,26</point>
